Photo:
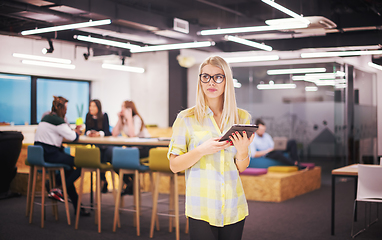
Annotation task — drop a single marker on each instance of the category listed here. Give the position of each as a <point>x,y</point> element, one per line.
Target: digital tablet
<point>250,129</point>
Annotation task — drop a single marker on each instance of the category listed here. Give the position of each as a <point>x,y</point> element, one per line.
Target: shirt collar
<point>209,111</point>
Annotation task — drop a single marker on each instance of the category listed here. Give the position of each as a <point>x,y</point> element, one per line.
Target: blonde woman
<point>215,202</point>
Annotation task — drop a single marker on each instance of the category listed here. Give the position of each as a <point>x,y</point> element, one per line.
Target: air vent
<point>181,25</point>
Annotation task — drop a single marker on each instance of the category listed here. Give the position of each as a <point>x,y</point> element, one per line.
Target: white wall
<point>109,86</point>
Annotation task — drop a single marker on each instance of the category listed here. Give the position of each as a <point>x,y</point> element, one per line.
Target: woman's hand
<point>128,113</point>
<point>241,143</point>
<point>212,145</point>
<point>94,133</point>
<point>182,162</point>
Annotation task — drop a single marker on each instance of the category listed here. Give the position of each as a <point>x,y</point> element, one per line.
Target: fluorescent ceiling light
<point>252,29</point>
<point>123,68</point>
<point>49,64</point>
<point>319,76</point>
<point>236,83</point>
<point>325,75</point>
<point>339,54</point>
<point>66,27</point>
<point>286,10</point>
<point>376,66</point>
<point>295,70</point>
<point>105,42</point>
<point>41,58</point>
<point>249,43</point>
<point>329,82</point>
<point>341,85</point>
<point>276,86</point>
<point>173,46</point>
<point>252,59</point>
<point>311,88</point>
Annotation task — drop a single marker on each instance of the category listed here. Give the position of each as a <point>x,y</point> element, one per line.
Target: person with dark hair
<point>97,125</point>
<point>263,145</point>
<point>51,111</point>
<point>49,134</point>
<point>97,122</point>
<point>131,124</point>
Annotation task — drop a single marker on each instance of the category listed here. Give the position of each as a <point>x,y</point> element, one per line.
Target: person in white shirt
<point>131,124</point>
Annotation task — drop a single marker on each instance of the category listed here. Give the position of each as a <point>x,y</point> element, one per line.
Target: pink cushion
<point>307,165</point>
<point>254,171</point>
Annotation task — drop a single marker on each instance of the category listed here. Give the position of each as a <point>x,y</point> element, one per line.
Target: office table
<point>122,141</point>
<point>350,171</point>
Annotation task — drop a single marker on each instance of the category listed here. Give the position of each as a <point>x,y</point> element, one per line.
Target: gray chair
<point>369,191</point>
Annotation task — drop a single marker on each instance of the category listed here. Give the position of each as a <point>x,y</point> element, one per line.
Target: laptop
<point>280,143</point>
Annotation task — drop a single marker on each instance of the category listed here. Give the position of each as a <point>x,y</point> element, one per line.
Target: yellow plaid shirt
<point>214,192</point>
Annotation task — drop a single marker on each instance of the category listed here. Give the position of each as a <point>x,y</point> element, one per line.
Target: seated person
<point>49,134</point>
<point>262,145</point>
<point>97,125</point>
<point>131,124</point>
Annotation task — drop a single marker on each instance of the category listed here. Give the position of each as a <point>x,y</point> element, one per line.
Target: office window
<point>77,92</point>
<point>15,99</point>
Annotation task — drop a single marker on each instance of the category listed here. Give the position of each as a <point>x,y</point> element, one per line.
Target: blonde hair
<point>230,114</point>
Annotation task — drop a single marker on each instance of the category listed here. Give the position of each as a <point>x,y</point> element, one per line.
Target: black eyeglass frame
<point>211,77</point>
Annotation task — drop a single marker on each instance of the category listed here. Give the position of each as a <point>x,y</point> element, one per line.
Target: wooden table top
<point>119,141</point>
<point>351,170</point>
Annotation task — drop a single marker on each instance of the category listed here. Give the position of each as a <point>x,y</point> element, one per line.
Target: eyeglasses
<point>205,78</point>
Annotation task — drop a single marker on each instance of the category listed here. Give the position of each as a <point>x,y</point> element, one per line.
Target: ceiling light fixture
<point>173,46</point>
<point>376,66</point>
<point>67,27</point>
<point>287,11</point>
<point>236,83</point>
<point>318,76</point>
<point>252,29</point>
<point>105,42</point>
<point>252,59</point>
<point>248,43</point>
<point>276,86</point>
<point>48,64</point>
<point>123,68</point>
<point>311,89</point>
<point>295,70</point>
<point>50,49</point>
<point>339,54</point>
<point>41,58</point>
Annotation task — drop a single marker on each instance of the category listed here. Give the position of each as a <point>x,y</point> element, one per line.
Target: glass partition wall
<point>312,108</point>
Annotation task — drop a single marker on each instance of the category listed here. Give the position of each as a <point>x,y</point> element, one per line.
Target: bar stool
<point>29,188</point>
<point>30,179</point>
<point>127,161</point>
<point>36,159</point>
<point>88,159</point>
<point>159,163</point>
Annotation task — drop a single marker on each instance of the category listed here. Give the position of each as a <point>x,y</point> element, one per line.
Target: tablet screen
<point>250,129</point>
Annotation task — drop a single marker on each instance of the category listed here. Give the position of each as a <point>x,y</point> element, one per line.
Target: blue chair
<point>127,161</point>
<point>264,162</point>
<point>36,159</point>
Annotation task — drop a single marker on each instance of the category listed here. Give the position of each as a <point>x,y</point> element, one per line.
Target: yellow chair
<point>159,163</point>
<point>88,159</point>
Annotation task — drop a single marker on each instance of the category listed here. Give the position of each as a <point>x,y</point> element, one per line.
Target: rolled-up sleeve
<point>179,140</point>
